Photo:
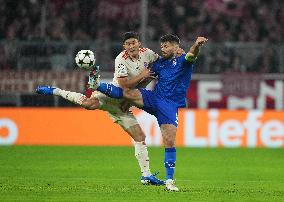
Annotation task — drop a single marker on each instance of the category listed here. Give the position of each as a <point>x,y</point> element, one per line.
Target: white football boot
<point>170,185</point>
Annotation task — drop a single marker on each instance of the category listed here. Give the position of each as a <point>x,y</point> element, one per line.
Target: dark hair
<point>170,38</point>
<point>131,34</point>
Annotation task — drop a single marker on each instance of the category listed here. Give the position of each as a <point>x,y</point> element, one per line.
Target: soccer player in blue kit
<point>174,75</point>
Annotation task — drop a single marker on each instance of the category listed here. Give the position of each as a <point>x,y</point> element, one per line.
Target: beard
<point>169,55</point>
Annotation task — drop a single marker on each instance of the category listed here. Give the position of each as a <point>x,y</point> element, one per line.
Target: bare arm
<point>129,83</point>
<point>194,49</point>
<point>144,82</point>
<point>132,83</point>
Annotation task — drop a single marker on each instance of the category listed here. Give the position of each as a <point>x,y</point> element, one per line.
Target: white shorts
<point>112,106</point>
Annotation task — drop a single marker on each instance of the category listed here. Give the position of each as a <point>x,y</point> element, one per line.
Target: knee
<point>86,104</point>
<point>136,133</point>
<point>127,93</point>
<point>90,104</point>
<point>169,142</point>
<point>139,136</point>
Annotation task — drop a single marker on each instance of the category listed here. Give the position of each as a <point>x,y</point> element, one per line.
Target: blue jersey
<point>174,77</point>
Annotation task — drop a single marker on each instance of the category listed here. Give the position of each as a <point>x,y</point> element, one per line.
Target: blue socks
<point>170,162</point>
<point>110,90</point>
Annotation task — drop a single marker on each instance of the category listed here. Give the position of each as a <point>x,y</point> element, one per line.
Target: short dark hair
<point>170,38</point>
<point>131,34</point>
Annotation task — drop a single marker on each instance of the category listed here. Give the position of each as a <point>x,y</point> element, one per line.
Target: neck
<point>134,56</point>
<point>171,57</point>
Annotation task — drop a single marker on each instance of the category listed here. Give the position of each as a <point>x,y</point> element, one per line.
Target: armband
<point>190,58</point>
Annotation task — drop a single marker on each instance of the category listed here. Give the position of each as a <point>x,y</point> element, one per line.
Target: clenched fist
<point>200,40</point>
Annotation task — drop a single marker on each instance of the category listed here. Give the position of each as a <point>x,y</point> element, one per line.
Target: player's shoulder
<point>181,57</point>
<point>122,56</point>
<point>148,53</point>
<point>160,59</point>
<point>143,49</point>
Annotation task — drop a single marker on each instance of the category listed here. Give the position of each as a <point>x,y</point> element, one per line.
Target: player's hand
<point>201,40</point>
<point>146,73</point>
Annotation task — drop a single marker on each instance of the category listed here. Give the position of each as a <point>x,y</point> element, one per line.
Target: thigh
<point>106,103</point>
<point>134,96</point>
<point>125,120</point>
<point>135,131</point>
<point>166,113</point>
<point>149,101</point>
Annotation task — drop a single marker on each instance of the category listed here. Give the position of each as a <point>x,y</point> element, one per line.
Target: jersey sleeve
<point>120,68</point>
<point>186,62</point>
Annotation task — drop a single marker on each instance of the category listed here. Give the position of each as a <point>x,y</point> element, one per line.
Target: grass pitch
<point>33,173</point>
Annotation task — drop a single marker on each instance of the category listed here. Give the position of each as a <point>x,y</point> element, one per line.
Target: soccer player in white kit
<point>130,71</point>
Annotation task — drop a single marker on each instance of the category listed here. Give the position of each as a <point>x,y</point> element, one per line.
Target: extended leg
<point>132,95</point>
<point>74,97</point>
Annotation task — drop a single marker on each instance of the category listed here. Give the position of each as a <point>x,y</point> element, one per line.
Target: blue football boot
<point>45,90</point>
<point>152,179</point>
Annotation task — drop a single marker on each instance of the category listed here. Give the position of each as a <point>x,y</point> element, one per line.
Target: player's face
<point>169,49</point>
<point>132,46</point>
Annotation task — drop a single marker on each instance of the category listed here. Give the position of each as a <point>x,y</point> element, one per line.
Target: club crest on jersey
<point>121,66</point>
<point>145,64</point>
<point>174,62</point>
<point>121,69</point>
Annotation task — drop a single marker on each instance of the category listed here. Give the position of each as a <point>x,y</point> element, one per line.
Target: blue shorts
<point>165,111</point>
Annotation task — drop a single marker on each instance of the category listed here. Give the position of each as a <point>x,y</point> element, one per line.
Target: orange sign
<point>59,126</point>
<point>197,128</point>
<point>224,128</point>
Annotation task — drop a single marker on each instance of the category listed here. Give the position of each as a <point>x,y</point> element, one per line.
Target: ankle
<point>56,91</point>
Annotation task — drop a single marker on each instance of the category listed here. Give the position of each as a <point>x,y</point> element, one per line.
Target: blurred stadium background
<point>236,97</point>
<point>39,39</point>
<point>241,67</point>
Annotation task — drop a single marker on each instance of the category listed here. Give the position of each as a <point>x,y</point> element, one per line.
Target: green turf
<point>112,174</point>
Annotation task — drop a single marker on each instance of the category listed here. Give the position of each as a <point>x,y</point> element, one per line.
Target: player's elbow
<point>127,93</point>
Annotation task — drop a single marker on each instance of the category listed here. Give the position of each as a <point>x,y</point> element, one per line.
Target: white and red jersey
<point>124,67</point>
<point>128,67</point>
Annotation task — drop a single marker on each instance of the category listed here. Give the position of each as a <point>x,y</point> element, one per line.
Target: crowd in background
<point>219,20</point>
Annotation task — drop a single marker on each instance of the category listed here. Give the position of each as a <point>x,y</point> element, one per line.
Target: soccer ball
<point>85,59</point>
